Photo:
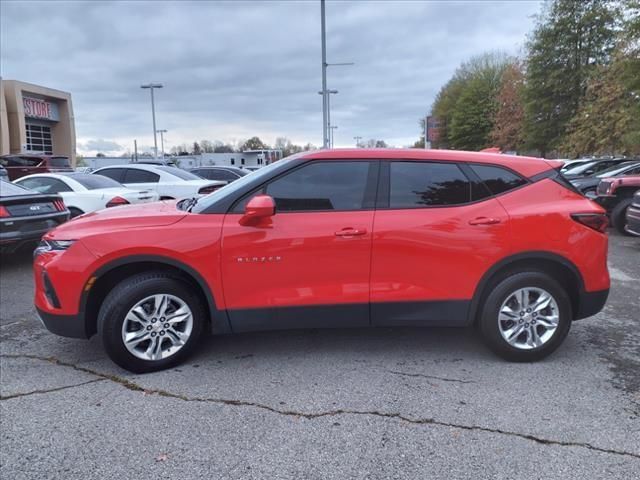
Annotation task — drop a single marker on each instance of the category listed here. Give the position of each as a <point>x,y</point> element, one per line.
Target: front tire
<point>619,216</point>
<point>151,321</point>
<point>526,317</point>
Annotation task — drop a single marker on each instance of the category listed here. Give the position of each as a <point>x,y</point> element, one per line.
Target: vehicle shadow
<point>16,260</point>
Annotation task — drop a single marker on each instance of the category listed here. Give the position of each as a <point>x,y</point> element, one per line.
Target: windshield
<point>93,182</point>
<point>232,187</point>
<point>580,168</point>
<point>175,171</point>
<point>616,169</point>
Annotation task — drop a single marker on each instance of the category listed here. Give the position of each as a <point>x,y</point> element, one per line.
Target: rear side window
<point>59,162</point>
<point>93,182</point>
<point>133,175</point>
<point>424,184</point>
<point>321,186</point>
<point>216,174</point>
<point>497,179</point>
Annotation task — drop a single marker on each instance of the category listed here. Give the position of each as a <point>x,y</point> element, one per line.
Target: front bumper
<point>590,303</point>
<point>64,325</point>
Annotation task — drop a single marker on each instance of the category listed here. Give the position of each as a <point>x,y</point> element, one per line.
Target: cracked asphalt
<point>366,404</point>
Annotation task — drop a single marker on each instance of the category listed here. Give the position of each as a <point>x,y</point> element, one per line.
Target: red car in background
<point>615,194</point>
<point>338,238</point>
<point>21,165</point>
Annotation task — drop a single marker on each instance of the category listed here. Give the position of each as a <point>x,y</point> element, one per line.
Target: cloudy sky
<point>232,70</point>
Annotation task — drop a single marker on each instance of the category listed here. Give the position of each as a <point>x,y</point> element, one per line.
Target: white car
<point>84,193</point>
<point>169,182</point>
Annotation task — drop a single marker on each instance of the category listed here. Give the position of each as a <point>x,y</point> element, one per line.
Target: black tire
<point>619,215</point>
<point>75,212</point>
<point>124,296</point>
<point>489,324</point>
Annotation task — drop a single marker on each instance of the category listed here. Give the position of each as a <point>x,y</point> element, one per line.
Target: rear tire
<point>75,212</point>
<point>619,215</point>
<point>541,330</point>
<point>151,321</point>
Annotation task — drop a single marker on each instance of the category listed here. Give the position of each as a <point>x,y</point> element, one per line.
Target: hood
<point>127,217</point>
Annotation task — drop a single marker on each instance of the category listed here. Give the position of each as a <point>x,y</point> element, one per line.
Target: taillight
<point>60,206</point>
<point>4,212</point>
<point>597,221</point>
<point>116,201</point>
<point>209,189</point>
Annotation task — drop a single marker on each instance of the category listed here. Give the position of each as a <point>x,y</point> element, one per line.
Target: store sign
<point>37,108</point>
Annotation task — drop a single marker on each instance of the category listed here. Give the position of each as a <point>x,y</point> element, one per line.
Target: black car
<point>227,174</point>
<point>588,184</point>
<point>592,168</point>
<point>633,216</point>
<point>26,215</point>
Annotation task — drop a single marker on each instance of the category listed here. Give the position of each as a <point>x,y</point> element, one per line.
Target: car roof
<point>139,166</point>
<point>524,165</point>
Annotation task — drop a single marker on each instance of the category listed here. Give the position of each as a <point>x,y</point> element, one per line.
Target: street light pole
<point>324,76</point>
<point>328,95</point>
<point>357,139</point>
<point>162,132</point>
<point>152,86</point>
<point>331,129</point>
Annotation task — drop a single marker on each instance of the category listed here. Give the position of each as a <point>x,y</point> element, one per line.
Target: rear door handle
<point>351,232</point>
<point>484,221</point>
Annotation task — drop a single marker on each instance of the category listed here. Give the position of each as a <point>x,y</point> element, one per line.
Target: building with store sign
<point>35,119</point>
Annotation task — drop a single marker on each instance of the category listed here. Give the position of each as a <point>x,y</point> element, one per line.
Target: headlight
<point>51,245</point>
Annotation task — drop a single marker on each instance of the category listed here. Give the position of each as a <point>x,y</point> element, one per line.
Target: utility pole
<point>162,132</point>
<point>426,131</point>
<point>152,86</point>
<point>135,150</point>
<point>357,139</point>
<point>331,129</point>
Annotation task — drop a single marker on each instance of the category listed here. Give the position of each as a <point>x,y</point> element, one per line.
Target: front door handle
<point>351,232</point>
<point>484,221</point>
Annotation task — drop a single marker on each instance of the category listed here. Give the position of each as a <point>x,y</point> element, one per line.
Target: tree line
<point>575,92</point>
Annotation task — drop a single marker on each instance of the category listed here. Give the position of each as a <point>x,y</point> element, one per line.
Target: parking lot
<point>385,403</point>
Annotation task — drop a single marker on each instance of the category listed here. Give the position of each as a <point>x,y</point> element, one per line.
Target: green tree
<point>571,38</point>
<point>472,118</point>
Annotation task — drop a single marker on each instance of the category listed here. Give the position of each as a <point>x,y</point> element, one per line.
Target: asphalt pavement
<point>363,404</point>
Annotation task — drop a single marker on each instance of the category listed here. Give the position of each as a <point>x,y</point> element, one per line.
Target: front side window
<point>116,174</point>
<point>497,179</point>
<point>321,186</point>
<point>424,184</point>
<point>133,175</point>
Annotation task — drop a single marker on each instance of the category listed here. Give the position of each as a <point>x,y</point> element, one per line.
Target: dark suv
<point>21,165</point>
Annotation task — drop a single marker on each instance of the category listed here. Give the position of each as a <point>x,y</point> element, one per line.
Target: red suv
<point>27,164</point>
<point>339,238</point>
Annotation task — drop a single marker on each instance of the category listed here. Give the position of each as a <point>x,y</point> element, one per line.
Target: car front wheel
<point>150,322</point>
<point>526,317</point>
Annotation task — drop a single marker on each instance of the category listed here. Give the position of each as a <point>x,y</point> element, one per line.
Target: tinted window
<point>116,174</point>
<point>92,182</point>
<point>133,175</point>
<point>45,185</point>
<point>321,186</point>
<point>216,174</point>
<point>498,179</point>
<point>59,162</point>
<point>176,172</point>
<point>420,184</point>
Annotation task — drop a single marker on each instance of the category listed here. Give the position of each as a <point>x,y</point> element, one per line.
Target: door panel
<point>296,271</point>
<point>427,261</point>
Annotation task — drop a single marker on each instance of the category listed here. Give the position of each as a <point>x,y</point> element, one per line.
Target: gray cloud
<point>236,69</point>
<point>101,145</point>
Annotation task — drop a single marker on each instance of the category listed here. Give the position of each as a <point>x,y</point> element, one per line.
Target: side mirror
<point>259,208</point>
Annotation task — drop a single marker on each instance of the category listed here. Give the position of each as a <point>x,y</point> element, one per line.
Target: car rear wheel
<point>526,317</point>
<point>150,322</point>
<point>75,212</point>
<point>619,216</point>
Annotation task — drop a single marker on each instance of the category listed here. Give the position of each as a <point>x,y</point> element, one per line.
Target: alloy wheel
<point>528,318</point>
<point>157,327</point>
